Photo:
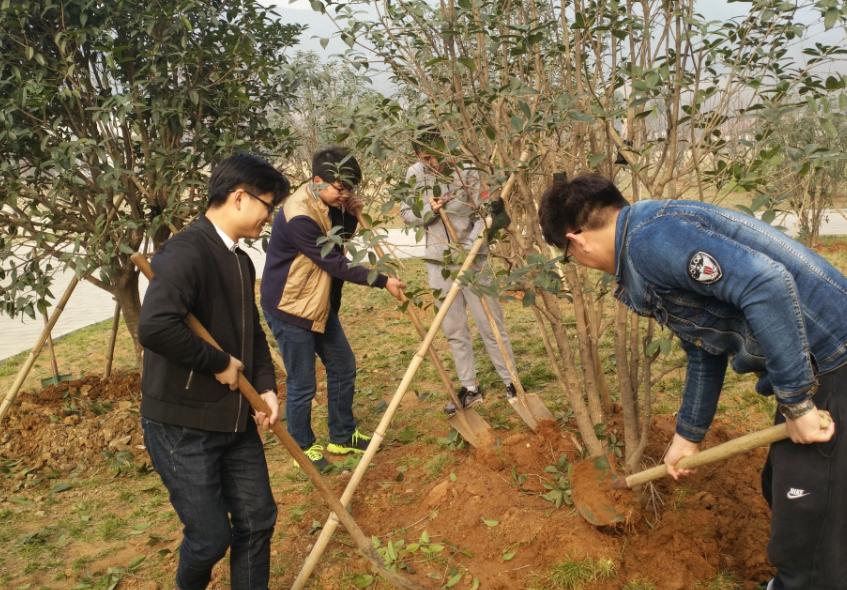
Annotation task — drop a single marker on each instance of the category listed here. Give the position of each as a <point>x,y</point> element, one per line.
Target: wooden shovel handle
<point>721,451</point>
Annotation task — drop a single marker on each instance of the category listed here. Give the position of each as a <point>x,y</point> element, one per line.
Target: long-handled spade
<point>467,422</point>
<point>527,405</point>
<point>596,488</point>
<point>379,434</point>
<point>259,405</point>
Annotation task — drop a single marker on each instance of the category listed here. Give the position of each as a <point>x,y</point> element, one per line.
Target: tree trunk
<point>126,294</point>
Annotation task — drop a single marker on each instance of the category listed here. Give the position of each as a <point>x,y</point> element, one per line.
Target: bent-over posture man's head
<point>578,216</point>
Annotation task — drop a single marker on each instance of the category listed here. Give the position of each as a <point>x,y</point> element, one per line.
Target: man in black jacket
<point>198,429</point>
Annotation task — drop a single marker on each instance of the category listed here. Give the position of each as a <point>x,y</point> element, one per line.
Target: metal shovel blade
<point>473,428</point>
<point>594,492</point>
<point>531,409</point>
<point>537,407</point>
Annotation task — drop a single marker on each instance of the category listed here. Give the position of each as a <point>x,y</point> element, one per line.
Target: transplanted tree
<point>112,113</point>
<point>588,84</point>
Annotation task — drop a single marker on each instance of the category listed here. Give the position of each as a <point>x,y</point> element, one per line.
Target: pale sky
<point>320,26</point>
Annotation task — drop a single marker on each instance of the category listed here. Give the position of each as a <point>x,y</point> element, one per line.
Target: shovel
<point>258,404</point>
<point>597,490</point>
<point>527,405</point>
<point>470,425</point>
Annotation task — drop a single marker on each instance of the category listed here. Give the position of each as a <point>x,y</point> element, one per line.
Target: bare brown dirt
<point>485,508</point>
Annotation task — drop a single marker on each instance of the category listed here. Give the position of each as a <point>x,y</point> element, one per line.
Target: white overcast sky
<point>320,26</point>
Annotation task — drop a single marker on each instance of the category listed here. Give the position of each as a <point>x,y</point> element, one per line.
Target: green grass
<point>576,574</point>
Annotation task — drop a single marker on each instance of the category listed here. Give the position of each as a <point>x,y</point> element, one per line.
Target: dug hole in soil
<point>493,524</point>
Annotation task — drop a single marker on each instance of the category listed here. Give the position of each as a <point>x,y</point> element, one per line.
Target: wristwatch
<point>794,411</point>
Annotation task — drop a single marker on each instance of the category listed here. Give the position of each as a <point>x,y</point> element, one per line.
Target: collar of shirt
<point>228,242</point>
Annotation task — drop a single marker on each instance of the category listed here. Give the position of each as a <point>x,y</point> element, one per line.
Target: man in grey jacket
<point>439,185</point>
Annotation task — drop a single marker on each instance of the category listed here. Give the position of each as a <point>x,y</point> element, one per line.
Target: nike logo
<point>795,493</point>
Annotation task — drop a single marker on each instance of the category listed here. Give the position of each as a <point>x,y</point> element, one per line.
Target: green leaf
<point>831,17</point>
<point>61,487</point>
<point>834,83</point>
<point>509,555</point>
<point>363,580</point>
<point>453,580</point>
<point>324,41</point>
<point>490,522</point>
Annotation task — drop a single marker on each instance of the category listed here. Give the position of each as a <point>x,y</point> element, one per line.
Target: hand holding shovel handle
<point>722,451</point>
<point>259,405</point>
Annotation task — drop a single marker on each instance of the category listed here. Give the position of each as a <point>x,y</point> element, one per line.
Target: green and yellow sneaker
<point>316,456</point>
<point>358,443</point>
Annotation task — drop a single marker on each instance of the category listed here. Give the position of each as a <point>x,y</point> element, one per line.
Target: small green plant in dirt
<point>438,463</point>
<point>518,479</point>
<point>400,555</point>
<point>576,574</point>
<point>111,578</point>
<point>558,485</point>
<point>611,439</point>
<point>120,463</point>
<point>452,441</point>
<point>722,581</point>
<point>111,527</point>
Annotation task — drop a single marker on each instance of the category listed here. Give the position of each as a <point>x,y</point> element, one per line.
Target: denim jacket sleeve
<point>759,286</point>
<point>703,381</point>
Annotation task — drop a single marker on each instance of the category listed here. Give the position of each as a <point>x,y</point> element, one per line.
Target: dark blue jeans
<point>218,485</point>
<point>299,347</point>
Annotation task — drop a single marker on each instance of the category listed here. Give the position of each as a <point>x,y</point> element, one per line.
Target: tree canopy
<point>111,114</point>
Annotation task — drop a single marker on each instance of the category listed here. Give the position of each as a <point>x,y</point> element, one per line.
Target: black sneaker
<point>358,444</point>
<point>511,391</point>
<point>468,397</point>
<point>316,456</point>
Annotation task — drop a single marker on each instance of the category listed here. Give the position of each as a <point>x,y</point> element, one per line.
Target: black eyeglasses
<point>565,257</point>
<point>269,206</point>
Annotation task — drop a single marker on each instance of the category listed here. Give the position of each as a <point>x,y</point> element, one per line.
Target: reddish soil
<point>715,521</point>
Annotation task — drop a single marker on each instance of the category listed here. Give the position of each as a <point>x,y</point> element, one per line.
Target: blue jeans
<point>299,347</point>
<point>218,485</point>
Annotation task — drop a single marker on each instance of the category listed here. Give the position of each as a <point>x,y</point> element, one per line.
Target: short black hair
<point>250,172</point>
<point>581,203</point>
<point>336,163</point>
<point>428,140</point>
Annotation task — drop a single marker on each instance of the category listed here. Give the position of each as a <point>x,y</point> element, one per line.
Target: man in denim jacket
<point>735,290</point>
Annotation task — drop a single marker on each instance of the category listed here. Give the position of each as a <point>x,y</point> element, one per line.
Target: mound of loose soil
<point>74,426</point>
<point>714,522</point>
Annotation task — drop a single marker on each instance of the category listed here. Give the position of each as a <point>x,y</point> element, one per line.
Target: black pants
<point>806,487</point>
